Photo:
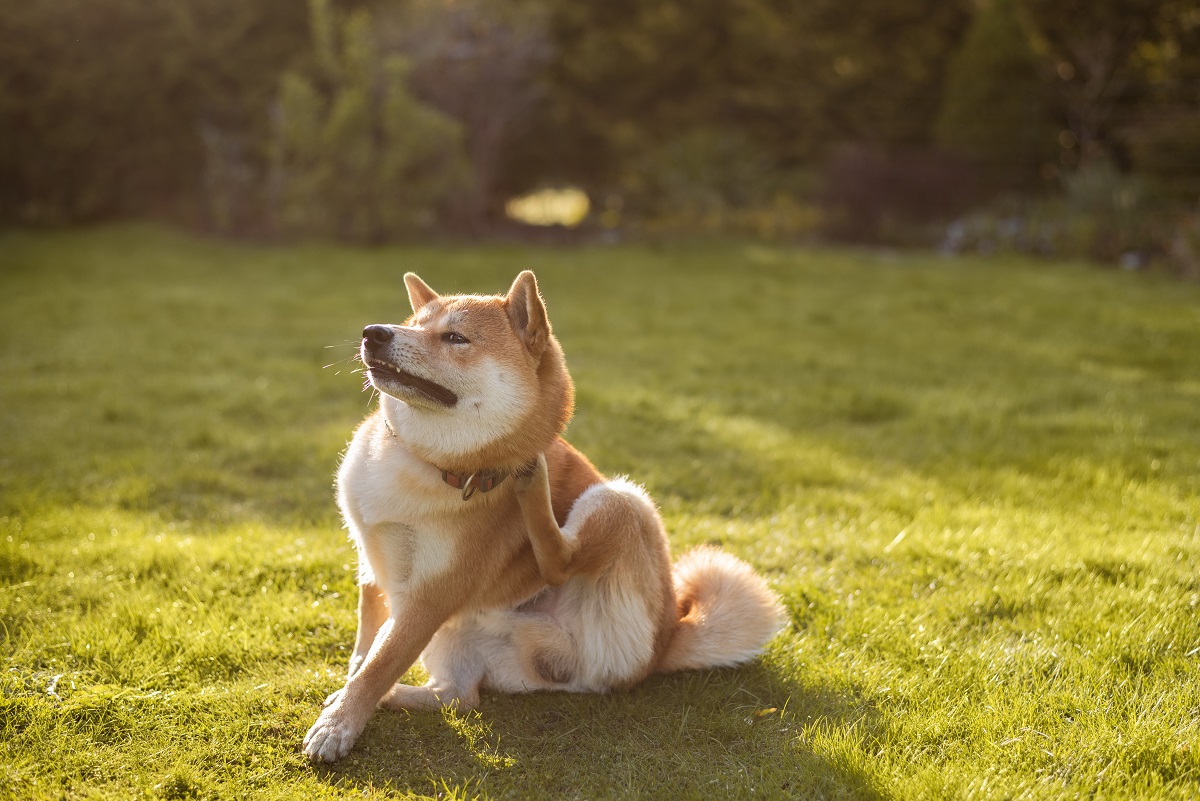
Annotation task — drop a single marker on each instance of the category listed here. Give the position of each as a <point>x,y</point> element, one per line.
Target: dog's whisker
<point>341,361</point>
<point>351,357</point>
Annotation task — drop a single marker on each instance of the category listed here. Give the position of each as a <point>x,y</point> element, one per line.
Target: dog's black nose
<point>375,335</point>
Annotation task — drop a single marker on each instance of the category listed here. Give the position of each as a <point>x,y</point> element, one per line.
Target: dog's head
<point>472,373</point>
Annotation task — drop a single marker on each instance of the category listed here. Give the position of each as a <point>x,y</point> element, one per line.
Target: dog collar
<point>479,481</point>
<point>484,480</point>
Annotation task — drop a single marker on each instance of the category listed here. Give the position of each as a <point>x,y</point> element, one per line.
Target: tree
<point>636,78</point>
<point>996,109</point>
<point>104,102</point>
<point>479,62</point>
<point>1087,48</point>
<point>356,156</point>
<point>1165,139</point>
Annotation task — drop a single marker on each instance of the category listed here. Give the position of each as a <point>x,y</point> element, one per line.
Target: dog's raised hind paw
<point>525,476</point>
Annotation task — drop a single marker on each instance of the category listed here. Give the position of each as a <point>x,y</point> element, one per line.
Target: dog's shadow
<point>706,734</point>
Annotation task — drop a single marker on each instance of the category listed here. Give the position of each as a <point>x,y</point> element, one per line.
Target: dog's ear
<point>528,313</point>
<point>419,292</point>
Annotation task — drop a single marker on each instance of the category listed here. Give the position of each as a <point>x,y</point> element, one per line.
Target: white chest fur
<point>399,513</point>
<point>400,556</point>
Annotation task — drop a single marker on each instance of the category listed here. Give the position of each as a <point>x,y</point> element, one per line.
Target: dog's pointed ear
<point>528,313</point>
<point>419,292</point>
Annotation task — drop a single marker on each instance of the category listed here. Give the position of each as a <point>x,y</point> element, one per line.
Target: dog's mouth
<point>384,373</point>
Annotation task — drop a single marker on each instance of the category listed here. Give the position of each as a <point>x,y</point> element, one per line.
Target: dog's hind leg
<point>429,696</point>
<point>454,660</point>
<point>540,655</point>
<point>529,649</point>
<point>512,652</point>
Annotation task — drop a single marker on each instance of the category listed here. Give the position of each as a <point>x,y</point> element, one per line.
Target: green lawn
<point>975,483</point>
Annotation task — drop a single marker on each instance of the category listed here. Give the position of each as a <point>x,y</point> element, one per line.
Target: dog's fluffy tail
<point>726,612</point>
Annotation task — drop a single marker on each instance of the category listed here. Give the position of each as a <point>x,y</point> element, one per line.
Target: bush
<point>715,180</point>
<point>108,106</point>
<point>356,157</point>
<point>1183,247</point>
<point>995,105</point>
<point>1167,151</point>
<point>481,63</point>
<point>871,195</point>
<point>1102,214</point>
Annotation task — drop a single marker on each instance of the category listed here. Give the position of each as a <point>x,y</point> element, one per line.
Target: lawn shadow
<point>737,733</point>
<point>694,456</point>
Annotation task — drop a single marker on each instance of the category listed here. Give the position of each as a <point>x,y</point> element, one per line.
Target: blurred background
<point>1069,128</point>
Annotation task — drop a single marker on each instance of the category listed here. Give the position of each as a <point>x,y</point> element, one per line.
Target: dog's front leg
<point>372,612</point>
<point>552,551</point>
<point>397,645</point>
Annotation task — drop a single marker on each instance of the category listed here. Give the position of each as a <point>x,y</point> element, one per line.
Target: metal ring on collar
<point>470,486</point>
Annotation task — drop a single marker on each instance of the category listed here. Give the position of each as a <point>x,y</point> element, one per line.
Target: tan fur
<point>555,579</point>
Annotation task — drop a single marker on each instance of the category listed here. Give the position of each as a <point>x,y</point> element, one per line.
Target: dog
<point>494,551</point>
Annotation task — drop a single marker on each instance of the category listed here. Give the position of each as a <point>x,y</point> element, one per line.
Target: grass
<point>974,483</point>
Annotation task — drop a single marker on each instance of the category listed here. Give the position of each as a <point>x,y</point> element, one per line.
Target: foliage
<point>716,180</point>
<point>1164,150</point>
<point>971,481</point>
<point>1088,49</point>
<point>1102,215</point>
<point>995,107</point>
<point>356,156</point>
<point>1183,248</point>
<point>871,194</point>
<point>792,78</point>
<point>480,62</point>
<point>104,102</point>
<point>182,109</point>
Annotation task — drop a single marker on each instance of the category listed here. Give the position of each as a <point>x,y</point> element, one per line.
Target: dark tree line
<point>261,116</point>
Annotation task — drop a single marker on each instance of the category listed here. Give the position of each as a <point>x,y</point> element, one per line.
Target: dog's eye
<point>454,338</point>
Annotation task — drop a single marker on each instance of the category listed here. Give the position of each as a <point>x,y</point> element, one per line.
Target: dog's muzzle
<point>385,372</point>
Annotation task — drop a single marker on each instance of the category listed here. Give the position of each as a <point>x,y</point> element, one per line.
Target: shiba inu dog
<point>492,549</point>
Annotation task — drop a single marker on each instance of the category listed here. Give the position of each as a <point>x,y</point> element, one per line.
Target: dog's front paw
<point>332,736</point>
<point>334,696</point>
